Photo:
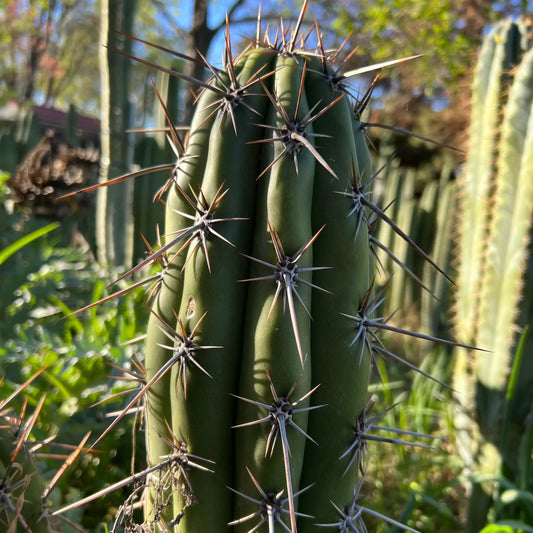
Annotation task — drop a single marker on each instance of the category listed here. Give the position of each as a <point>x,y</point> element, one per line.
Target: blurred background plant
<point>44,279</point>
<point>49,80</point>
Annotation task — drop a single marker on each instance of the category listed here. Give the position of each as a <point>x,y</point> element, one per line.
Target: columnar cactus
<point>263,327</point>
<point>500,52</point>
<point>114,217</point>
<point>499,291</point>
<point>261,338</point>
<point>275,236</point>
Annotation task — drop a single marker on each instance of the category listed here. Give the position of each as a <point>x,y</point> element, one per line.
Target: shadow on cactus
<point>263,329</point>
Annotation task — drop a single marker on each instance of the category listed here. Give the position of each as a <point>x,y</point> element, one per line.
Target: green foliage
<point>427,495</point>
<point>23,241</point>
<point>409,27</point>
<point>76,377</point>
<point>507,526</point>
<point>48,51</point>
<point>43,282</point>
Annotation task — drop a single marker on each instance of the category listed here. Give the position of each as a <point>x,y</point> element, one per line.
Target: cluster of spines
<point>24,491</point>
<point>21,488</point>
<point>283,109</point>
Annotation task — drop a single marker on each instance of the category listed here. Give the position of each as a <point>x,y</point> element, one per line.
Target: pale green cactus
<point>492,302</point>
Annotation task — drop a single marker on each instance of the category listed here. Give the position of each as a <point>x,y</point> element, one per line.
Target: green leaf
<point>507,526</point>
<point>23,241</point>
<point>494,528</point>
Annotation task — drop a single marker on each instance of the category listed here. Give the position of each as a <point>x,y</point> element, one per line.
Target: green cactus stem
<point>114,222</point>
<point>264,326</point>
<point>261,338</point>
<point>501,279</point>
<point>499,53</point>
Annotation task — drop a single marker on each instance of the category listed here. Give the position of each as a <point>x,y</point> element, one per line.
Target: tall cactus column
<point>340,360</point>
<point>499,52</point>
<point>114,222</point>
<point>276,373</point>
<point>503,250</point>
<point>262,334</point>
<point>250,309</point>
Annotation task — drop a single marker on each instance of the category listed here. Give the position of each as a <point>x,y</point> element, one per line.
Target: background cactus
<point>420,201</point>
<point>496,200</point>
<point>501,51</point>
<point>114,217</point>
<point>151,151</point>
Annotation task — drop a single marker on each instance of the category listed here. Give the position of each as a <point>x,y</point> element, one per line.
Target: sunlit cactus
<point>494,261</point>
<point>264,321</point>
